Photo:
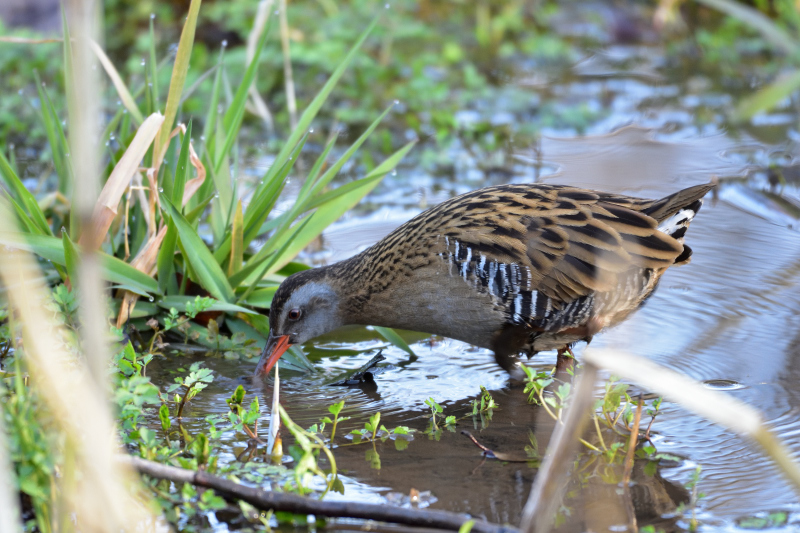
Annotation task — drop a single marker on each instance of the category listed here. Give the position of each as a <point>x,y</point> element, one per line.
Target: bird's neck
<point>428,301</point>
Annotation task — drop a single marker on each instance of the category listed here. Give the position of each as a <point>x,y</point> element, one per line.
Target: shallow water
<point>728,319</point>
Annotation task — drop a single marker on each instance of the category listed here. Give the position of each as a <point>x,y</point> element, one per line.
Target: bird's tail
<point>675,212</point>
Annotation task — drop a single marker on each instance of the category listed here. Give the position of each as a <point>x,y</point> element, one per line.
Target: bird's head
<point>305,306</point>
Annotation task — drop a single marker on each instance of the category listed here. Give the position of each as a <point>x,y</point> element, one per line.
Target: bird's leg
<point>565,361</point>
<point>509,363</point>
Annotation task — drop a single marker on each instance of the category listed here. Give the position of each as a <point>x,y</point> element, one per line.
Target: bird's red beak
<point>273,351</point>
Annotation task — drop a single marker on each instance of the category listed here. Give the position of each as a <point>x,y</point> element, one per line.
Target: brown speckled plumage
<point>513,268</point>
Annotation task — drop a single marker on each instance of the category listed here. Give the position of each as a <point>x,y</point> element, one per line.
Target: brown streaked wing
<point>575,241</point>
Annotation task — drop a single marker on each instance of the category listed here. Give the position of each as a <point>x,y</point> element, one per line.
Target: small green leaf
<point>163,415</point>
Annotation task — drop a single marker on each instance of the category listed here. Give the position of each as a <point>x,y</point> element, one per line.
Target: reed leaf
<point>125,95</point>
<point>391,335</point>
<point>177,81</point>
<point>52,249</point>
<point>331,211</point>
<point>24,196</point>
<point>769,96</point>
<point>206,268</point>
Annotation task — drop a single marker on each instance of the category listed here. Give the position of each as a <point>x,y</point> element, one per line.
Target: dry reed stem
<point>106,204</point>
<point>718,407</point>
<point>101,499</point>
<point>291,102</point>
<point>122,90</point>
<point>275,419</point>
<point>548,487</point>
<point>259,106</point>
<point>9,498</point>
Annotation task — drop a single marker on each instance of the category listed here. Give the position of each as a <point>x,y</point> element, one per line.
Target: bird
<point>517,269</point>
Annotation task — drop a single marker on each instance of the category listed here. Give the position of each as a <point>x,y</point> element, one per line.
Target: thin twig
<point>626,476</point>
<point>281,501</point>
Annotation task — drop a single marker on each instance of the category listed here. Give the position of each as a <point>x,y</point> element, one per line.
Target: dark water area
<point>728,319</point>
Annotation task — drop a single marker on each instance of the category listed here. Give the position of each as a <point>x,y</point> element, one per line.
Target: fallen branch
<point>280,501</point>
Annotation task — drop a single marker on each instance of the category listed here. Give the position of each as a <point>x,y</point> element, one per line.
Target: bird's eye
<point>295,314</point>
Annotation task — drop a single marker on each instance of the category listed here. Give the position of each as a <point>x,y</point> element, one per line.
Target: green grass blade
<point>179,302</point>
<point>261,297</point>
<point>208,271</point>
<point>24,196</point>
<point>339,191</point>
<point>769,96</point>
<point>768,29</point>
<point>311,111</point>
<point>297,230</point>
<point>232,120</point>
<point>316,169</point>
<point>177,81</point>
<point>71,257</point>
<point>194,215</point>
<point>22,216</point>
<point>333,170</point>
<point>125,95</point>
<point>52,249</point>
<point>213,106</point>
<point>330,212</point>
<point>182,168</point>
<point>153,67</point>
<point>55,137</point>
<point>391,335</point>
<point>264,201</point>
<point>165,262</point>
<point>252,265</point>
<point>237,236</point>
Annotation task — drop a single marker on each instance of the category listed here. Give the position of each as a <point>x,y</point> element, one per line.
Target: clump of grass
<point>142,233</point>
